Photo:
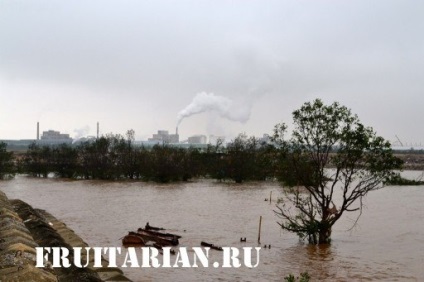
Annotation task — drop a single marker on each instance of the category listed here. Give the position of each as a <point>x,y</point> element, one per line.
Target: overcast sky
<point>139,64</point>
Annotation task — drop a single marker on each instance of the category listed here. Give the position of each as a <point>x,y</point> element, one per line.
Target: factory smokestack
<point>38,130</point>
<point>176,132</point>
<point>97,130</point>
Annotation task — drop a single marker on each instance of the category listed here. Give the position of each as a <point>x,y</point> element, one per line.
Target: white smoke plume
<point>225,107</point>
<point>81,132</point>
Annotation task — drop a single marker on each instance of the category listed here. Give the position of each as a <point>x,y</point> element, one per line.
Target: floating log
<point>149,227</point>
<point>212,246</point>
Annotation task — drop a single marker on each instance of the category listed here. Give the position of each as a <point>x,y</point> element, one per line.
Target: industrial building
<point>163,136</point>
<point>48,138</point>
<point>55,135</point>
<point>197,139</point>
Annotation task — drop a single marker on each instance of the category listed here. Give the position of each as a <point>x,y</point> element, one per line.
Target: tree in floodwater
<point>95,159</point>
<point>214,161</point>
<point>167,163</point>
<point>64,161</point>
<point>330,163</point>
<point>129,161</point>
<point>7,167</point>
<point>240,156</point>
<point>248,159</point>
<point>37,160</point>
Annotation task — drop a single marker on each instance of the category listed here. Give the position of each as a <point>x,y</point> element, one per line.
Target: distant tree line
<point>114,157</point>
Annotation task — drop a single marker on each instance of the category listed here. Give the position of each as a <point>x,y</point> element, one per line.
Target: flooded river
<point>386,245</point>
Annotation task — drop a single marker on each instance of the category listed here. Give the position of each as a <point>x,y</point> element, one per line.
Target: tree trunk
<point>313,239</point>
<point>324,234</point>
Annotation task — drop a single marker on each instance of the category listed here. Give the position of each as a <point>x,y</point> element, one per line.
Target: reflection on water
<point>320,252</point>
<point>387,244</point>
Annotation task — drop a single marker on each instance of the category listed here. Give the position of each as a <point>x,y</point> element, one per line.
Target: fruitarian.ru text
<point>146,257</point>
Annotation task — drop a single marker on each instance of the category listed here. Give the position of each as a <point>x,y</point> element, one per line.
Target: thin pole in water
<point>270,196</point>
<point>259,234</point>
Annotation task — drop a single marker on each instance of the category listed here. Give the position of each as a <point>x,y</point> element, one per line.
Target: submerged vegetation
<point>328,136</point>
<point>398,180</point>
<point>304,277</point>
<point>7,167</point>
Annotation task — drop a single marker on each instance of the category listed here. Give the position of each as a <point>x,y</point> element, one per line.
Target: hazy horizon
<point>143,65</point>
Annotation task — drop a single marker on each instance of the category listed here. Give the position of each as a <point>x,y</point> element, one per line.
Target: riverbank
<point>412,161</point>
<point>23,228</point>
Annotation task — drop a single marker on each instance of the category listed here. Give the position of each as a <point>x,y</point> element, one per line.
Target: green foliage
<point>324,137</point>
<point>7,168</point>
<point>243,159</point>
<point>64,161</point>
<point>97,159</point>
<point>167,163</point>
<point>37,161</point>
<point>304,277</point>
<point>398,180</point>
<point>214,160</point>
<point>240,157</point>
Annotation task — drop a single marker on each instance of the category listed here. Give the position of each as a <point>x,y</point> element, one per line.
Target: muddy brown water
<point>386,245</point>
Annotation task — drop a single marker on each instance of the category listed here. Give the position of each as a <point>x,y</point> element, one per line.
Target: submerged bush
<point>398,180</point>
<point>304,277</point>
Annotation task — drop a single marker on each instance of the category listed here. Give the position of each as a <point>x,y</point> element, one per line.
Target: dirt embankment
<point>23,228</point>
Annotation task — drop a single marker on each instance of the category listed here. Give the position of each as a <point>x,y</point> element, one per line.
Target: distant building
<point>49,138</point>
<point>54,135</point>
<point>163,136</point>
<point>197,139</point>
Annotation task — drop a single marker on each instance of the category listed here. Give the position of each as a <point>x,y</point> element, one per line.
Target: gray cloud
<point>136,64</point>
